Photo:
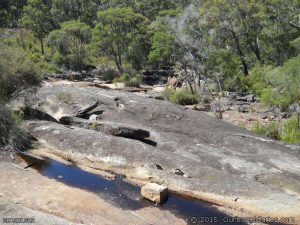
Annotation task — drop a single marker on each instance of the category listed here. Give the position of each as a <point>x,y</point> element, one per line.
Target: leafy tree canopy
<point>71,40</point>
<point>116,30</point>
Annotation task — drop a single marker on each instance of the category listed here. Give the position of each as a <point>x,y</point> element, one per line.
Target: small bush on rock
<point>290,132</point>
<point>129,80</point>
<point>184,97</point>
<point>133,82</point>
<point>287,131</point>
<point>271,130</point>
<point>109,75</point>
<point>181,96</point>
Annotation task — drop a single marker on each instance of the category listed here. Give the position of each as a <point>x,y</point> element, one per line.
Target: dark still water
<point>127,196</point>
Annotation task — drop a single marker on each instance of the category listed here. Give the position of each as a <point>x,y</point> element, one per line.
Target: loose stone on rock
<point>155,192</point>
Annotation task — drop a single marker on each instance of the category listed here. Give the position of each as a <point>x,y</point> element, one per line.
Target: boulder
<point>94,117</point>
<point>177,172</point>
<point>155,193</point>
<point>247,98</point>
<point>71,75</point>
<point>243,109</point>
<point>199,107</point>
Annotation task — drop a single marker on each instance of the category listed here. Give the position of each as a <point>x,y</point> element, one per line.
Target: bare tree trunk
<point>42,46</point>
<point>219,84</point>
<point>257,51</point>
<point>119,63</point>
<point>220,109</point>
<point>119,68</point>
<point>191,87</point>
<point>298,118</point>
<point>240,53</point>
<point>253,43</point>
<point>22,38</point>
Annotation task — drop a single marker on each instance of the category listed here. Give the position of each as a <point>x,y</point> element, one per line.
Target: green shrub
<point>287,131</point>
<point>257,80</point>
<point>17,73</point>
<point>11,133</point>
<point>18,76</point>
<point>162,48</point>
<point>43,68</point>
<point>109,75</point>
<point>181,96</point>
<point>133,82</point>
<point>270,130</point>
<point>58,59</point>
<point>185,97</point>
<point>290,132</point>
<point>129,80</point>
<point>124,78</point>
<point>35,57</point>
<point>277,86</point>
<point>169,95</point>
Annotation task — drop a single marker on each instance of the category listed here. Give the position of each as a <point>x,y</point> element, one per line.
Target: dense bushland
<point>236,45</point>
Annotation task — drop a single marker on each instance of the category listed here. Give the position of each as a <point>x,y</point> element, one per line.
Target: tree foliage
<point>282,84</point>
<point>220,40</point>
<point>37,17</point>
<point>162,49</point>
<point>71,40</point>
<point>81,10</point>
<point>10,12</point>
<point>237,45</point>
<point>117,29</point>
<point>17,73</point>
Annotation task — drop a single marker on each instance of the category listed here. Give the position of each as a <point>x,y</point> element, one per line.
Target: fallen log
<point>84,111</point>
<point>107,127</point>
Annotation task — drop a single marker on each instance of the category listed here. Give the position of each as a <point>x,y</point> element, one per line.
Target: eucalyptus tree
<point>10,12</point>
<point>71,41</point>
<point>82,10</point>
<point>116,31</point>
<point>37,18</point>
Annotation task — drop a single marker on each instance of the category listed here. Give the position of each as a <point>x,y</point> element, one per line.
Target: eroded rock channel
<point>123,194</point>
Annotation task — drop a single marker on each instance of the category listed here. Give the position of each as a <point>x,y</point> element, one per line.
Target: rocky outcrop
<point>71,75</point>
<point>233,99</point>
<point>247,98</point>
<point>219,161</point>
